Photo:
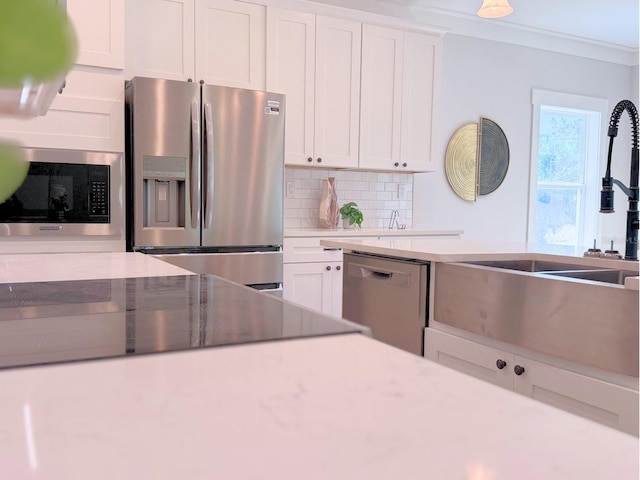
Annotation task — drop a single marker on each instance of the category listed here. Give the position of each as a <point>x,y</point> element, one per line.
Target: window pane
<point>557,216</point>
<point>561,152</point>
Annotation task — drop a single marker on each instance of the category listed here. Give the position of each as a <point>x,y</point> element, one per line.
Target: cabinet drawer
<point>308,249</point>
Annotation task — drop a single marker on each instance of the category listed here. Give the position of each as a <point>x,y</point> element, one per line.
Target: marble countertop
<point>43,267</point>
<point>341,407</point>
<point>367,232</point>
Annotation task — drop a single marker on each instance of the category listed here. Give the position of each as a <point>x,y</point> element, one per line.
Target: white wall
<point>494,80</point>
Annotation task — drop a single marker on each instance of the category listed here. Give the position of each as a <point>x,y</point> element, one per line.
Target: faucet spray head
<point>606,195</point>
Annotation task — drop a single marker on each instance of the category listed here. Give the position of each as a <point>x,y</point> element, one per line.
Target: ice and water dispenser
<point>164,191</point>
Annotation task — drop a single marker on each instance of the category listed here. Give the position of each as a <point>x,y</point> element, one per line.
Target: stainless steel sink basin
<point>530,265</point>
<point>616,277</point>
<point>576,313</point>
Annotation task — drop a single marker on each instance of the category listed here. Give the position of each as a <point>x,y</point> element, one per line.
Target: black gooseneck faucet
<point>606,195</point>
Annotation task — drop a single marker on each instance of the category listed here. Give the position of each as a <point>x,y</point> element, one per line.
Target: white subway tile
<point>354,176</point>
<point>368,195</point>
<point>400,177</point>
<point>390,187</point>
<point>309,223</point>
<point>292,223</point>
<point>376,186</point>
<point>384,195</point>
<point>301,173</point>
<point>317,173</point>
<point>391,205</point>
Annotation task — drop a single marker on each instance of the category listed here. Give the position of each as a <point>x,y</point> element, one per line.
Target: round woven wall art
<point>461,164</point>
<point>477,159</point>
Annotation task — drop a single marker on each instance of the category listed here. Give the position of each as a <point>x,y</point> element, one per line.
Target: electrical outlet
<point>402,191</point>
<point>290,188</point>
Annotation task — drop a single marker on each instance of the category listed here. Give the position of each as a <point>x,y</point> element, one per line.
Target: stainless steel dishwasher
<point>388,295</point>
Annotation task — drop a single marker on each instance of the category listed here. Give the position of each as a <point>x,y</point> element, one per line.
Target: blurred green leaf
<point>13,170</point>
<point>37,41</point>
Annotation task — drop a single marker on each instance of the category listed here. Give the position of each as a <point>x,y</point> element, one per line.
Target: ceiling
<point>611,22</point>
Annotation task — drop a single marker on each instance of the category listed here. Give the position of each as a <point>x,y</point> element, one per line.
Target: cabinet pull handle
<point>404,164</point>
<point>396,164</point>
<point>319,160</point>
<point>518,369</point>
<point>338,267</point>
<point>309,159</point>
<point>501,364</point>
<point>327,249</point>
<point>328,267</point>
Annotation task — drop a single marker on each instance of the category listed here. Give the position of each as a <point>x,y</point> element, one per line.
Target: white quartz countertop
<point>462,250</point>
<point>368,232</point>
<point>341,407</point>
<point>43,267</point>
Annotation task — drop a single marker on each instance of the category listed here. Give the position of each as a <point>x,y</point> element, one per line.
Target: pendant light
<point>495,9</point>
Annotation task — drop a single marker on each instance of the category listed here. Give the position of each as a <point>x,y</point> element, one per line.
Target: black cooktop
<point>52,322</point>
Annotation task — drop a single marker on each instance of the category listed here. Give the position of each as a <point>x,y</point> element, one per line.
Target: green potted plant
<point>351,215</point>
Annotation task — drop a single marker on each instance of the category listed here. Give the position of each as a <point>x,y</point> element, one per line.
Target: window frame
<point>590,225</point>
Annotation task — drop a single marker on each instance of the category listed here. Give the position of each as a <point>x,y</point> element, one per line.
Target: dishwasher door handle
<point>357,270</point>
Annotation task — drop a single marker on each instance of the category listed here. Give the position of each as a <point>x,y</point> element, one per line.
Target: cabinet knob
<point>328,267</point>
<point>319,160</point>
<point>518,369</point>
<point>338,267</point>
<point>309,159</point>
<point>501,364</point>
<point>404,164</point>
<point>396,164</point>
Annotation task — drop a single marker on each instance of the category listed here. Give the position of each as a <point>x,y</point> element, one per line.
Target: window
<point>565,166</point>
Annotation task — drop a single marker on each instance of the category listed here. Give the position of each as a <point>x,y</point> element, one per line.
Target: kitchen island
<point>552,325</point>
<point>340,406</point>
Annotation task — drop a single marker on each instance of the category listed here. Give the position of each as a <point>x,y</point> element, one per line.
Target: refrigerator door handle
<point>209,178</point>
<point>194,161</point>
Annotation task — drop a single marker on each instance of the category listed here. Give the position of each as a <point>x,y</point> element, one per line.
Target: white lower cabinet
<point>315,285</point>
<point>601,401</point>
<point>313,275</point>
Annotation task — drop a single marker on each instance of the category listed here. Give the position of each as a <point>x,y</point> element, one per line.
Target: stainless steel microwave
<point>67,193</point>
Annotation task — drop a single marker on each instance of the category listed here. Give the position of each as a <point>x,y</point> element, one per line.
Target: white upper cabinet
<point>400,82</point>
<point>315,62</point>
<point>160,39</point>
<point>219,41</point>
<point>230,43</point>
<point>381,97</point>
<point>420,92</point>
<point>99,26</point>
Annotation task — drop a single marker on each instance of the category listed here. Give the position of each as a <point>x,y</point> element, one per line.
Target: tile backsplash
<point>377,195</point>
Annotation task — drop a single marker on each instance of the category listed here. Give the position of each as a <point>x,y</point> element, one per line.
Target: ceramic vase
<point>328,214</point>
<point>346,226</point>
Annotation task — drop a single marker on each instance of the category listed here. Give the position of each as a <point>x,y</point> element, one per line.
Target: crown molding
<point>441,20</point>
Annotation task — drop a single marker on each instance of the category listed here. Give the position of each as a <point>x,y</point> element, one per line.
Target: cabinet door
<point>336,290</point>
<point>99,25</point>
<point>591,398</point>
<point>291,46</point>
<point>309,284</point>
<point>87,116</point>
<point>337,92</point>
<point>420,84</point>
<point>160,39</point>
<point>381,102</point>
<point>230,43</point>
<point>469,357</point>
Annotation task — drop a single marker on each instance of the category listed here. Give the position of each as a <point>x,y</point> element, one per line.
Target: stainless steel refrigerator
<point>205,175</point>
